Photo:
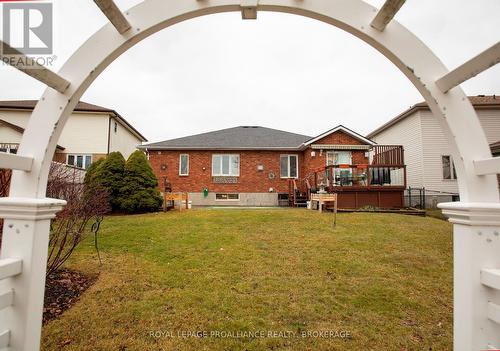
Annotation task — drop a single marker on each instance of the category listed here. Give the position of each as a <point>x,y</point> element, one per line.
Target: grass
<point>436,213</point>
<point>385,280</point>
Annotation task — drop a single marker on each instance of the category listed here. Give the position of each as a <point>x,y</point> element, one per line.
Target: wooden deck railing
<point>360,176</point>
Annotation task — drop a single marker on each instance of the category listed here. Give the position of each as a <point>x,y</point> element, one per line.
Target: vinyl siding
<point>490,120</point>
<point>9,136</point>
<point>84,133</point>
<point>435,145</point>
<point>408,133</point>
<point>122,140</point>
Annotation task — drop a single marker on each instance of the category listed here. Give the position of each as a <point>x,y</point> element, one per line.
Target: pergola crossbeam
<point>4,339</point>
<point>10,267</point>
<point>32,68</point>
<point>470,69</point>
<point>487,166</point>
<point>6,299</point>
<point>491,278</point>
<point>115,16</point>
<point>17,162</point>
<point>386,14</point>
<point>494,312</point>
<point>249,9</point>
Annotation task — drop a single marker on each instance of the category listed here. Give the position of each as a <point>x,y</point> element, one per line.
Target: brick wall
<point>250,180</point>
<point>200,171</point>
<point>337,138</point>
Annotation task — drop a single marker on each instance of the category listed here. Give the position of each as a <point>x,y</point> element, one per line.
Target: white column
<point>476,245</point>
<point>25,237</point>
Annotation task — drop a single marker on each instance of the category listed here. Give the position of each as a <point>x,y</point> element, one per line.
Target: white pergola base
<point>476,219</point>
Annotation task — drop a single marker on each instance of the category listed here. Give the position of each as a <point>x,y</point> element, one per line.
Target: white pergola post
<point>476,246</point>
<point>25,241</point>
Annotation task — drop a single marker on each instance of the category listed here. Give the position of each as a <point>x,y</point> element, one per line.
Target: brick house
<point>257,166</point>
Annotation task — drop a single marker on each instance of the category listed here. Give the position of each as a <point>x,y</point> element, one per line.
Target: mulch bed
<point>62,290</point>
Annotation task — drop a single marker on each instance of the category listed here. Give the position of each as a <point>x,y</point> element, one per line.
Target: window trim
<point>84,164</point>
<point>180,165</point>
<point>230,168</point>
<point>453,171</point>
<point>238,199</point>
<point>288,170</point>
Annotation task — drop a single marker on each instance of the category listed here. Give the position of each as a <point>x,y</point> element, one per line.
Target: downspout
<point>109,133</point>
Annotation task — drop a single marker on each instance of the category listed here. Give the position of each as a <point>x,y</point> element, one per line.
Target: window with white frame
<point>184,164</point>
<point>80,161</point>
<point>225,165</point>
<point>448,167</point>
<point>9,148</point>
<point>289,166</point>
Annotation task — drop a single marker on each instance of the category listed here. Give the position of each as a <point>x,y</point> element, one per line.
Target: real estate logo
<point>27,27</point>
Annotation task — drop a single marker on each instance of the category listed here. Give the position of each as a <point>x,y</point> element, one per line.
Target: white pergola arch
<point>27,212</point>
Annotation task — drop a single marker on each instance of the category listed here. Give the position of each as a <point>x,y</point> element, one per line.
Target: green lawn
<point>383,279</point>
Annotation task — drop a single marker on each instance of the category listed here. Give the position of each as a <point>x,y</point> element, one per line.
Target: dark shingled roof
<point>238,138</point>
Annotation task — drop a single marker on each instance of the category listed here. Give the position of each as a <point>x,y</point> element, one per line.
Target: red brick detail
<point>250,180</point>
<point>339,138</point>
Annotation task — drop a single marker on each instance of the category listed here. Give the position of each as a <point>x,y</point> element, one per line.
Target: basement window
<point>227,197</point>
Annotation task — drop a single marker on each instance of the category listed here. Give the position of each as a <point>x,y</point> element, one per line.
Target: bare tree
<point>84,205</point>
<point>72,224</point>
<point>5,175</point>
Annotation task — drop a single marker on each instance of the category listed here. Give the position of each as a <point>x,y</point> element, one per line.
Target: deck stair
<point>297,197</point>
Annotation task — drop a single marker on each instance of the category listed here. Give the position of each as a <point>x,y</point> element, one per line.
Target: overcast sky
<point>281,71</point>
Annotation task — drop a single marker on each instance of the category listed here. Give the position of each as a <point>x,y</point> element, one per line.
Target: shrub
<point>108,175</point>
<point>139,191</point>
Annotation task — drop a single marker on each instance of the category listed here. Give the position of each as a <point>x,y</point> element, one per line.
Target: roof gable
<point>341,128</point>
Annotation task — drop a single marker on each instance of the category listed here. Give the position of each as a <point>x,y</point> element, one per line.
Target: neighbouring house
<point>91,132</point>
<point>257,166</point>
<point>427,155</point>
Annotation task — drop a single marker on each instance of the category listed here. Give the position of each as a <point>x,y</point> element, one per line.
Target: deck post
<point>26,238</point>
<point>476,245</point>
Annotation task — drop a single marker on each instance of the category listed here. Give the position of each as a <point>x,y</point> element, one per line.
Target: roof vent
<point>246,127</point>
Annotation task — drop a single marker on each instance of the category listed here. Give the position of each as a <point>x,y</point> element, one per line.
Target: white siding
<point>85,133</point>
<point>435,145</point>
<point>408,133</point>
<point>424,144</point>
<point>122,140</point>
<point>18,118</point>
<point>9,135</point>
<point>490,120</point>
